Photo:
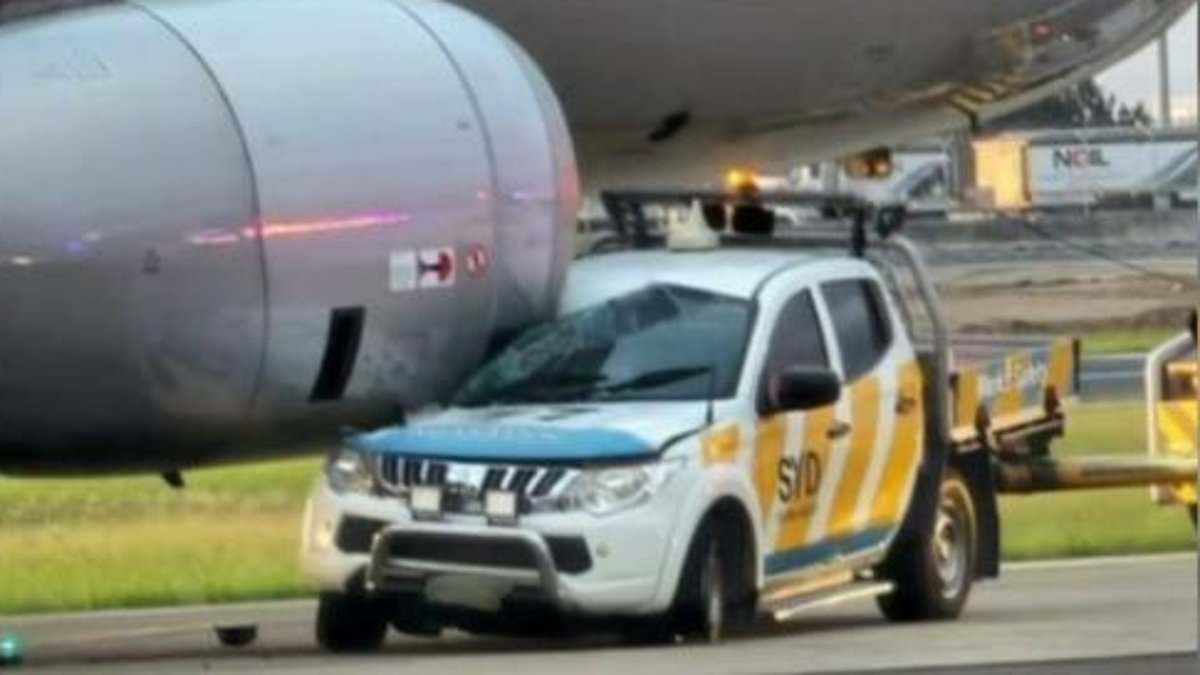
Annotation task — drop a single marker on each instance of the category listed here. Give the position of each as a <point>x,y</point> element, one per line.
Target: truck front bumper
<point>574,563</point>
<point>406,557</point>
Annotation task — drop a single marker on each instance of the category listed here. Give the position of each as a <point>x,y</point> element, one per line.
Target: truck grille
<point>470,481</point>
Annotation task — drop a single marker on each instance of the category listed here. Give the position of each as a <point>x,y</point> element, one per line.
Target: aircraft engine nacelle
<point>229,227</point>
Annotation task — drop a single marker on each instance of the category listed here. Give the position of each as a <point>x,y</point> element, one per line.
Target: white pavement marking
<point>1098,561</point>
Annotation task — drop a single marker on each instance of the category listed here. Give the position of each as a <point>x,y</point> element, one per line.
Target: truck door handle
<point>905,405</point>
<point>838,430</point>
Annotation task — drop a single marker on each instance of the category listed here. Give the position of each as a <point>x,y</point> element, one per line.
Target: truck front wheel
<point>350,623</point>
<point>933,574</point>
<point>702,600</point>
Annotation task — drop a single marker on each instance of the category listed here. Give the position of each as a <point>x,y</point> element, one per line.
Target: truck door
<point>868,467</point>
<point>793,447</point>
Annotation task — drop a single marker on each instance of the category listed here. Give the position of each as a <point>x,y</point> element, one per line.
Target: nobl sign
<point>1126,167</point>
<point>1079,158</point>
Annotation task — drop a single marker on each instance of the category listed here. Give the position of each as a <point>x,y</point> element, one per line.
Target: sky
<point>1136,78</point>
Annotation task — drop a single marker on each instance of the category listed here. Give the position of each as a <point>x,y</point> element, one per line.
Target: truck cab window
<point>796,341</point>
<point>860,323</point>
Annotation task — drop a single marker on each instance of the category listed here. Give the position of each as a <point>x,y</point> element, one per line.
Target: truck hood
<point>541,433</point>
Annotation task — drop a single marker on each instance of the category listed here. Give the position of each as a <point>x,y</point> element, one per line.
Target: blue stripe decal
<point>783,561</point>
<point>496,442</point>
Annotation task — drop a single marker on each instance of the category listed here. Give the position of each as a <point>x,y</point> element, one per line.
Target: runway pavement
<point>1101,616</point>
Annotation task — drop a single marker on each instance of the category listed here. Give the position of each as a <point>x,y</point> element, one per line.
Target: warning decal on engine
<point>409,270</point>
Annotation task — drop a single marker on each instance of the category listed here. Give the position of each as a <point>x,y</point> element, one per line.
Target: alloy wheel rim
<point>950,549</point>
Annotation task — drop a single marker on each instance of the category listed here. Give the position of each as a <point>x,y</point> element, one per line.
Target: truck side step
<point>793,607</point>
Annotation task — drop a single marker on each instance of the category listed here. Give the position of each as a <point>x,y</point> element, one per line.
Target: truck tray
<point>1005,390</point>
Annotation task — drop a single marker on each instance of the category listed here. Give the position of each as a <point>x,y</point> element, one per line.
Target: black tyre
<point>350,623</point>
<point>409,614</point>
<point>701,604</point>
<point>236,636</point>
<point>933,574</point>
<point>647,632</point>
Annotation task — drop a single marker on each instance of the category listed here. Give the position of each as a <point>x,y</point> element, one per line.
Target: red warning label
<point>435,267</point>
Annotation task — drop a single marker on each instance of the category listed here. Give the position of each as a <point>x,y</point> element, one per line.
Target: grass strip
<point>233,534</point>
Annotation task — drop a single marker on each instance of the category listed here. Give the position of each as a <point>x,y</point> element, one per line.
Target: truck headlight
<point>349,471</point>
<point>603,492</point>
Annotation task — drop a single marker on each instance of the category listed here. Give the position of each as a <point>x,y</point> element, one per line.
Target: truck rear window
<point>862,328</point>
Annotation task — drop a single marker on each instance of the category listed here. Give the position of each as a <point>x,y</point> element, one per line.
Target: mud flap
<point>976,469</point>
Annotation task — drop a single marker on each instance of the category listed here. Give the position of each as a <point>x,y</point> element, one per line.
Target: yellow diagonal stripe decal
<point>772,433</point>
<point>1177,427</point>
<point>865,413</point>
<point>721,446</point>
<point>907,438</point>
<point>1011,401</point>
<point>798,512</point>
<point>1177,433</point>
<point>1061,361</point>
<point>968,399</point>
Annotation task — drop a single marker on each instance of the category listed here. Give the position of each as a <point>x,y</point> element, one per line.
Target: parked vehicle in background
<point>1087,167</point>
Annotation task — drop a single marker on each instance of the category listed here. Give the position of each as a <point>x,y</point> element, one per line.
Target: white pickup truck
<point>701,437</point>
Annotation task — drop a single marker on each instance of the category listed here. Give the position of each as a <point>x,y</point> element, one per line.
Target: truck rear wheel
<point>350,623</point>
<point>933,574</point>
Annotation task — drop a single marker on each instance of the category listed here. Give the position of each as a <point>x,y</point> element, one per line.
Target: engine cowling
<point>228,228</point>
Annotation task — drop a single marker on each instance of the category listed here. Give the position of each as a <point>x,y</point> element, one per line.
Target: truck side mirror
<point>803,388</point>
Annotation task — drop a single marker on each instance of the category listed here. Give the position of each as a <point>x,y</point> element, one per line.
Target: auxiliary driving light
<point>500,507</point>
<point>426,502</point>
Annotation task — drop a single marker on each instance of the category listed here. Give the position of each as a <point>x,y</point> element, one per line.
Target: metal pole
<point>1164,83</point>
<point>1197,56</point>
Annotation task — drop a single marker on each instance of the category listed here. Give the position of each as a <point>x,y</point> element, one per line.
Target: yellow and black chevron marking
<point>1177,438</point>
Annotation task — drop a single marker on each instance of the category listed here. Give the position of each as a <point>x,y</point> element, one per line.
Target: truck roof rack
<point>627,211</point>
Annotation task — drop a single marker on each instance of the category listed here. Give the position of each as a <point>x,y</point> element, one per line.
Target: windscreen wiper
<point>539,389</point>
<point>654,378</point>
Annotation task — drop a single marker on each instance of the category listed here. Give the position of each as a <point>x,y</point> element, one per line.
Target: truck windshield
<point>661,342</point>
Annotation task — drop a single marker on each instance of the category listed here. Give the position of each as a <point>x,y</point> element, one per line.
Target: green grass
<point>1118,341</point>
<point>234,533</point>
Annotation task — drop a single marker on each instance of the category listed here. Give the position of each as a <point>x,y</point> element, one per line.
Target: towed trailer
<point>722,423</point>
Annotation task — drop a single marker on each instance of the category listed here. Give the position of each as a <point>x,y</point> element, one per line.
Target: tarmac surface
<point>1117,615</point>
<point>1113,377</point>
